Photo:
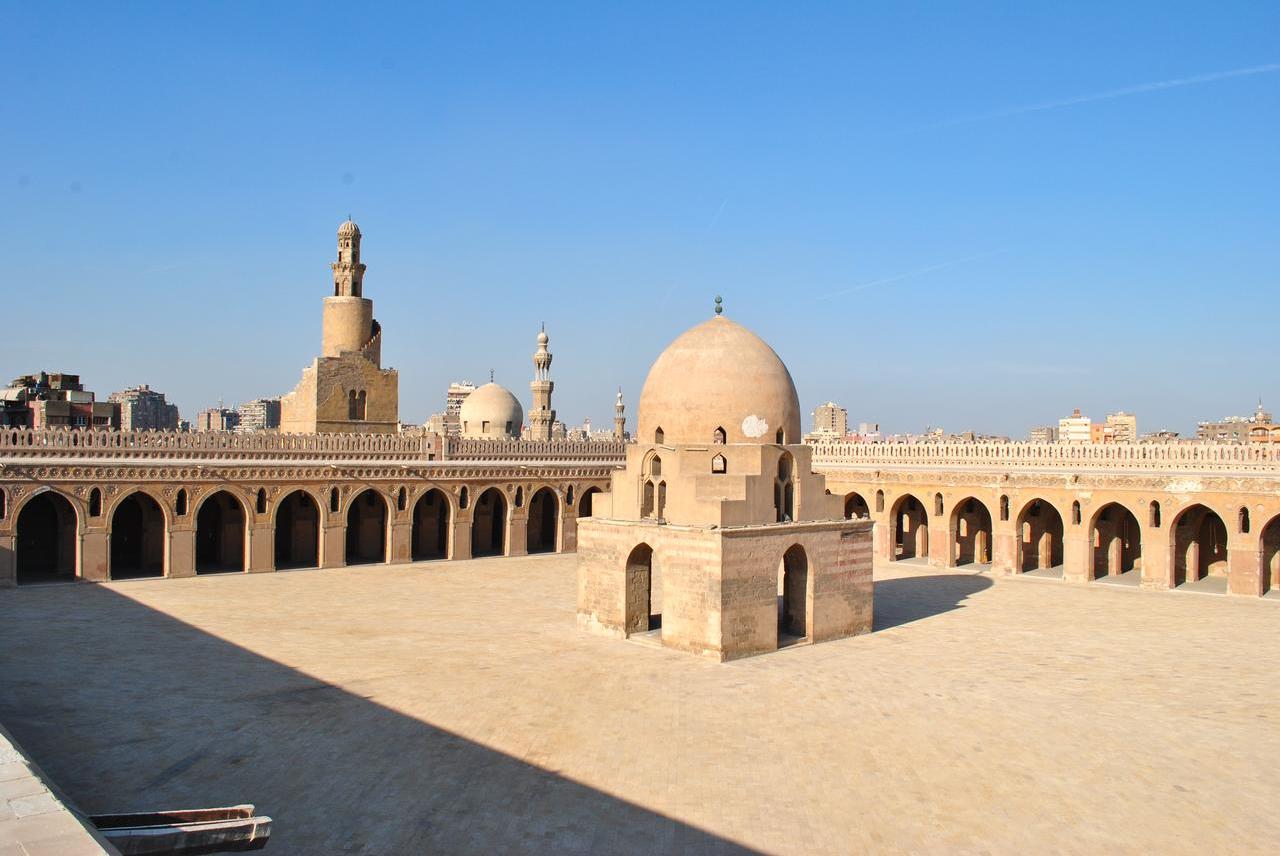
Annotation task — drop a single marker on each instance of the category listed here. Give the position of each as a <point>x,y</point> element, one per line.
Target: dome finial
<point>490,375</point>
<point>719,304</point>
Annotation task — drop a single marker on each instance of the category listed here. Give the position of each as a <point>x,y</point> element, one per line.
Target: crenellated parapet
<point>1181,458</point>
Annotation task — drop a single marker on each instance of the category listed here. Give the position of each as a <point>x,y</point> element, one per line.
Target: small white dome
<point>491,412</point>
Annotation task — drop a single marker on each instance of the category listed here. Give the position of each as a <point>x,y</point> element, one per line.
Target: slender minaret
<point>541,417</point>
<point>619,418</point>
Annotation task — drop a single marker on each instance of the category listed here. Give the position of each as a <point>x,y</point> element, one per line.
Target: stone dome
<point>719,375</point>
<point>348,229</point>
<point>491,411</point>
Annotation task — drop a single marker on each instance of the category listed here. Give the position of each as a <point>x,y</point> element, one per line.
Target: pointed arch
<point>297,531</point>
<point>432,526</point>
<point>46,539</point>
<point>489,524</point>
<point>855,506</point>
<point>909,529</point>
<point>368,516</point>
<point>1115,542</point>
<point>971,532</point>
<point>542,533</point>
<point>1040,539</point>
<point>138,534</point>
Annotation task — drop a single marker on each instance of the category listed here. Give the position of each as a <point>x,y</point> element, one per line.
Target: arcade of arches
<point>1157,538</point>
<point>68,532</point>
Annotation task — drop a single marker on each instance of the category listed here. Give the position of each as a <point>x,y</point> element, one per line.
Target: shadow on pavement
<point>906,599</point>
<point>128,709</point>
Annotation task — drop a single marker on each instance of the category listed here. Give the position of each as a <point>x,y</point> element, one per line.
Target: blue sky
<point>865,184</point>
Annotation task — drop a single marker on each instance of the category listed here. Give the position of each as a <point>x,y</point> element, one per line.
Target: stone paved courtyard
<point>454,708</point>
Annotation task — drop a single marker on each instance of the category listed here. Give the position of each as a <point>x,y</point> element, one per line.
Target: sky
<point>975,216</point>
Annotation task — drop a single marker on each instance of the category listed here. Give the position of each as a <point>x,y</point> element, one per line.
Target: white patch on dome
<point>754,426</point>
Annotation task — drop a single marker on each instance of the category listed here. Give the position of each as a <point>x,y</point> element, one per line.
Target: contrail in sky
<point>889,280</point>
<point>1112,93</point>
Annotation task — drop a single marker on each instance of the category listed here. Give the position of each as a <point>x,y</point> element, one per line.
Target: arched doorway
<point>431,526</point>
<point>970,533</point>
<point>220,535</point>
<point>1269,566</point>
<point>1115,542</point>
<point>856,506</point>
<point>584,503</point>
<point>46,540</point>
<point>489,524</point>
<point>910,526</point>
<point>367,529</point>
<point>298,532</point>
<point>1200,549</point>
<point>544,514</point>
<point>643,611</point>
<point>1040,534</point>
<point>793,595</point>
<point>137,538</point>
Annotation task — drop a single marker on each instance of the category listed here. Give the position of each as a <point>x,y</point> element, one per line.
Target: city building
<point>217,419</point>
<point>1121,427</point>
<point>144,409</point>
<point>260,414</point>
<point>830,420</point>
<point>454,396</point>
<point>541,416</point>
<point>1258,428</point>
<point>345,390</point>
<point>55,400</point>
<point>718,510</point>
<point>1075,428</point>
<point>1044,434</point>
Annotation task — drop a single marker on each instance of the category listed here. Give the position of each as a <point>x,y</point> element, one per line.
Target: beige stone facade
<point>1198,517</point>
<point>722,541</point>
<point>345,390</point>
<point>115,505</point>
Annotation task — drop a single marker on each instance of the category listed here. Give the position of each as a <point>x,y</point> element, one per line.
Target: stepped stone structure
<point>717,537</point>
<point>345,390</point>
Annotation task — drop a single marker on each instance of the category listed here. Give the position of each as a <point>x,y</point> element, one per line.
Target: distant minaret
<point>541,417</point>
<point>619,418</point>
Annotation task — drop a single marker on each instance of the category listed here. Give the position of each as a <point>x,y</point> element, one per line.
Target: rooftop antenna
<point>719,304</point>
